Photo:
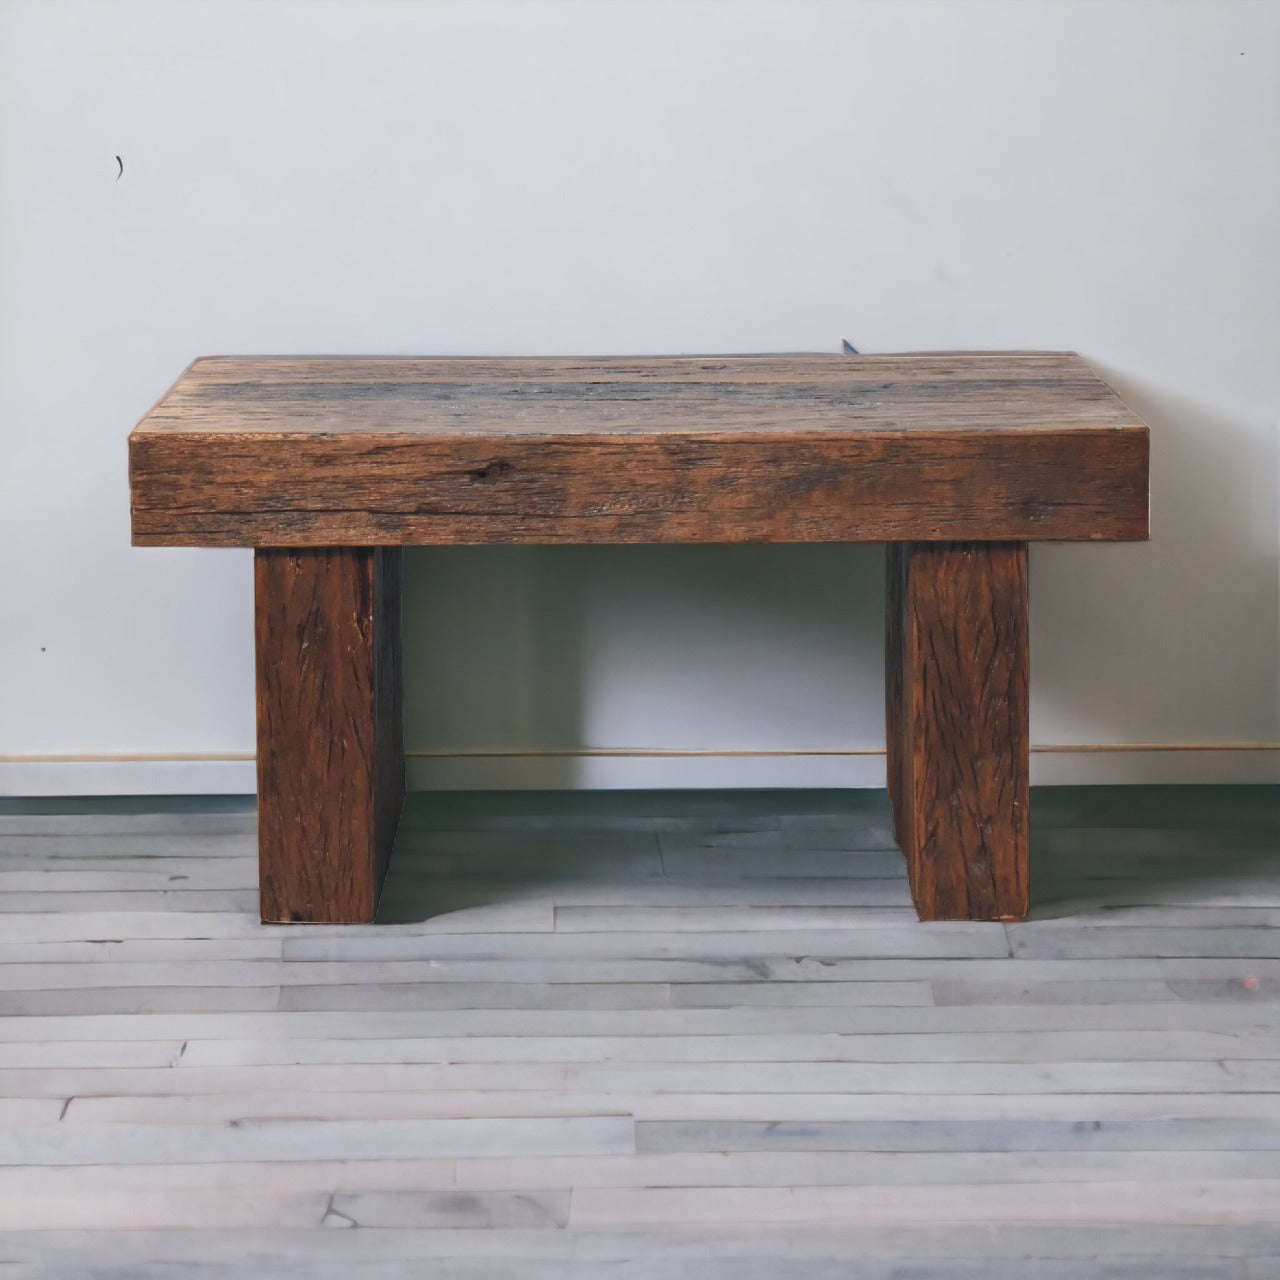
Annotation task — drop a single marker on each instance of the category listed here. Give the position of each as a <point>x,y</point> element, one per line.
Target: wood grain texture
<point>330,754</point>
<point>363,452</point>
<point>957,676</point>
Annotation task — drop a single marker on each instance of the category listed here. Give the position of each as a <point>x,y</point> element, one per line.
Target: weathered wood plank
<point>791,1259</point>
<point>588,995</point>
<point>333,491</point>
<point>925,390</point>
<point>194,901</point>
<point>1083,1111</point>
<point>794,1170</point>
<point>105,876</point>
<point>598,1151</point>
<point>90,817</point>
<point>268,1140</point>
<point>1226,1202</point>
<point>1239,1075</point>
<point>988,1134</point>
<point>126,1000</point>
<point>1040,1046</point>
<point>736,1251</point>
<point>483,1210</point>
<point>1190,1016</point>
<point>642,919</point>
<point>89,1053</point>
<point>805,977</point>
<point>72,847</point>
<point>960,675</point>
<point>307,452</point>
<point>330,753</point>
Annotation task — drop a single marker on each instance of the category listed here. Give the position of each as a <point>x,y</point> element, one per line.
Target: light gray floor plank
<point>101,1000</point>
<point>90,1053</point>
<point>490,1210</point>
<point>1149,1187</point>
<point>994,1047</point>
<point>1030,942</point>
<point>1230,1202</point>
<point>800,971</point>
<point>323,944</point>
<point>791,1171</point>
<point>802,1265</point>
<point>1224,1016</point>
<point>114,1209</point>
<point>1081,1109</point>
<point>1242,987</point>
<point>86,1181</point>
<point>111,875</point>
<point>688,1242</point>
<point>600,995</point>
<point>28,1111</point>
<point>171,899</point>
<point>268,1139</point>
<point>1227,1075</point>
<point>141,949</point>
<point>686,962</point>
<point>1216,1134</point>
<point>158,842</point>
<point>955,1251</point>
<point>976,941</point>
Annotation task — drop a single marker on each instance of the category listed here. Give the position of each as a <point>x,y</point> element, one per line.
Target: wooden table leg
<point>330,752</point>
<point>956,681</point>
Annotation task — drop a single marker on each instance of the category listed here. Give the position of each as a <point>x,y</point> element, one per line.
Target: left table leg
<point>330,749</point>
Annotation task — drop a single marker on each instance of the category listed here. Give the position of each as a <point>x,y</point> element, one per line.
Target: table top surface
<point>993,392</point>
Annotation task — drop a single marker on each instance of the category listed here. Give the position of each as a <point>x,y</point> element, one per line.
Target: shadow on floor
<point>1092,848</point>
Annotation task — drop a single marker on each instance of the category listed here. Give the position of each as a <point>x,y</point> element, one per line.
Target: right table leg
<point>956,686</point>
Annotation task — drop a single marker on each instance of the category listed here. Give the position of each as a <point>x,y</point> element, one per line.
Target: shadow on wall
<point>536,649</point>
<point>1174,640</point>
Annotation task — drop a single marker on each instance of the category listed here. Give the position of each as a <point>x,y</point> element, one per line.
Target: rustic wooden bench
<point>328,466</point>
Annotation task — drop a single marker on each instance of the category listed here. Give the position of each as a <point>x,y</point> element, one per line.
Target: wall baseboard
<point>127,775</point>
<point>638,770</point>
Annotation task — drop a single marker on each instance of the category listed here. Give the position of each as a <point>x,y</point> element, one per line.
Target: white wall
<point>627,178</point>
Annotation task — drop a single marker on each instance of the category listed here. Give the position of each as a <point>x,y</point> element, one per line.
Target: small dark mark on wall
<point>121,164</point>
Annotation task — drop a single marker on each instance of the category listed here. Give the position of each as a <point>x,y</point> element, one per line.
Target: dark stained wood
<point>309,490</point>
<point>378,452</point>
<point>329,465</point>
<point>957,676</point>
<point>330,754</point>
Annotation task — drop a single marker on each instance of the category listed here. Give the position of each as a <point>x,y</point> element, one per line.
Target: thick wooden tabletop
<point>339,451</point>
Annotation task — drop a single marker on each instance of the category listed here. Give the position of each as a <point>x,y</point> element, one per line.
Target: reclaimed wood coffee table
<point>328,466</point>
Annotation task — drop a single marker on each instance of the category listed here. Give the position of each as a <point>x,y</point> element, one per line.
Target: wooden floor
<point>643,1036</point>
